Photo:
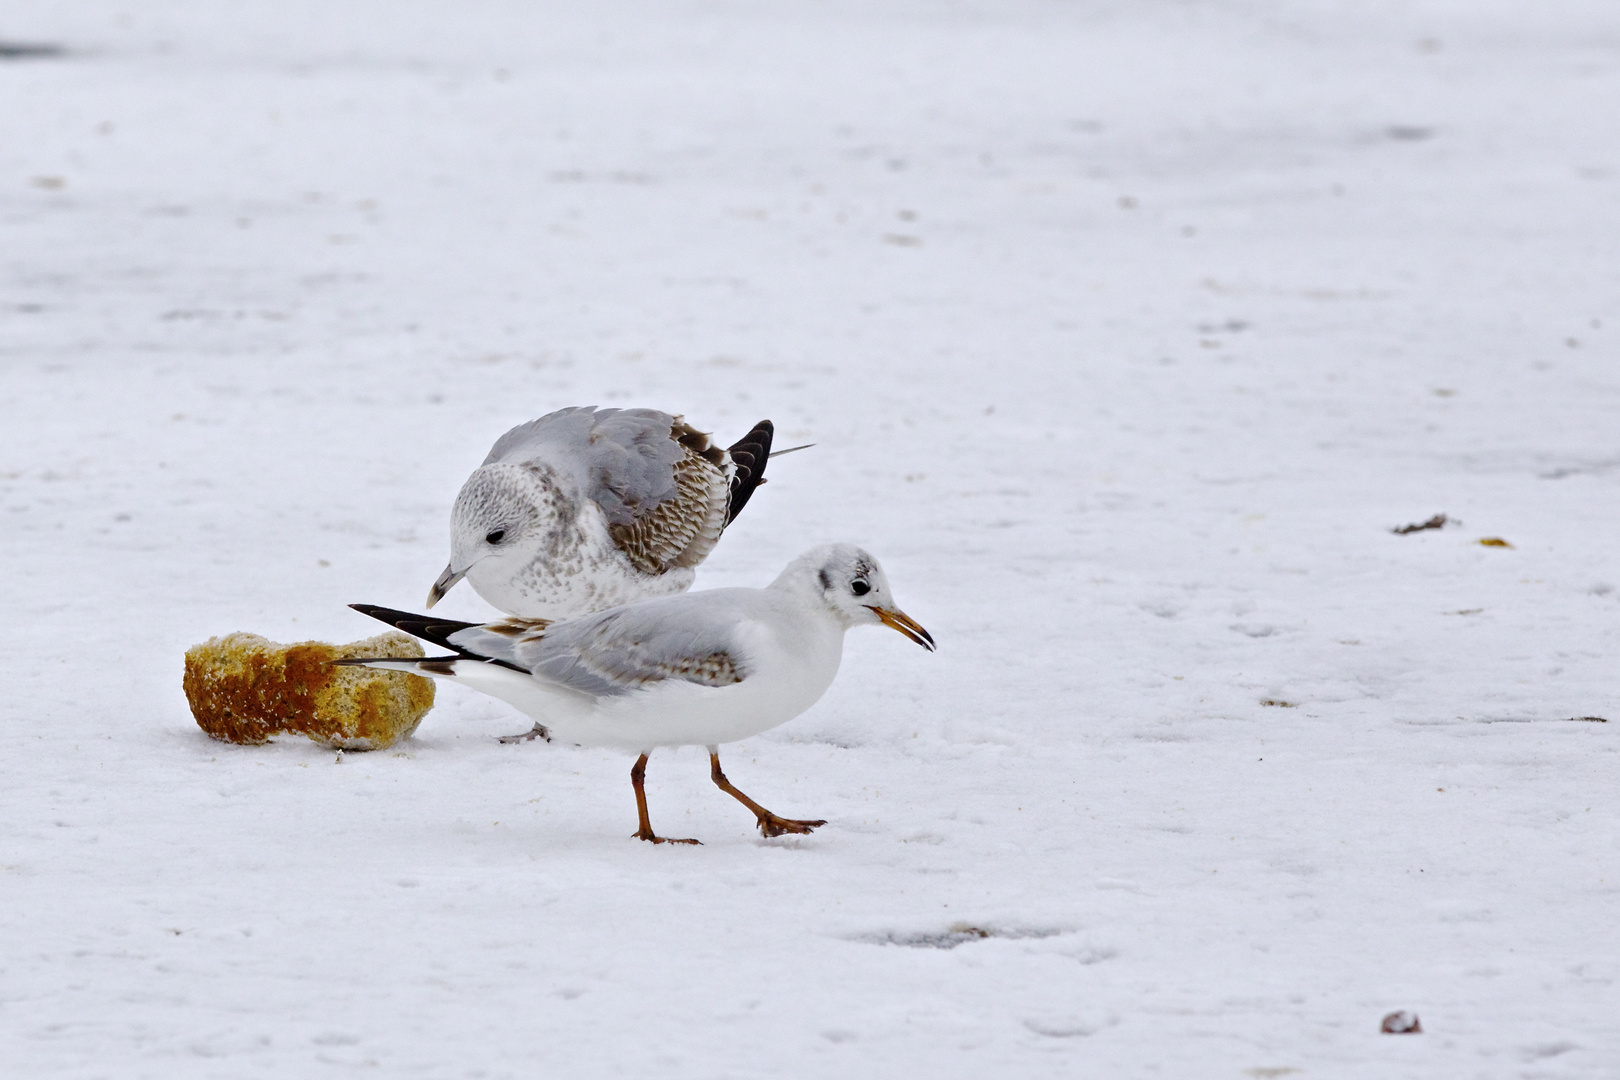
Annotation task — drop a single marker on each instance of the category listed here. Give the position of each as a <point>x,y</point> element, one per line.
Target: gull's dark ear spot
<point>826,578</point>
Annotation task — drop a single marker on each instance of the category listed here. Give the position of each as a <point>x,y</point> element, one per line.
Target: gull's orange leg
<point>638,774</point>
<point>769,823</point>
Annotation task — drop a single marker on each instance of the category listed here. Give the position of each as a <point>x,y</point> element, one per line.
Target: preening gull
<point>585,509</point>
<point>702,669</point>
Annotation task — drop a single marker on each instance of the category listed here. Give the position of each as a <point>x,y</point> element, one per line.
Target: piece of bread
<point>244,689</point>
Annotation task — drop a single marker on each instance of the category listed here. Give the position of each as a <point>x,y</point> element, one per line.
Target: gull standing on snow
<point>586,509</point>
<point>702,669</point>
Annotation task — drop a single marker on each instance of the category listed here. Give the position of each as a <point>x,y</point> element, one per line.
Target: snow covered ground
<point>1126,332</point>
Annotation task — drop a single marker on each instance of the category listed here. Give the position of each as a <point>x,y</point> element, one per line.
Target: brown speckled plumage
<point>586,509</point>
<point>716,669</point>
<point>682,530</point>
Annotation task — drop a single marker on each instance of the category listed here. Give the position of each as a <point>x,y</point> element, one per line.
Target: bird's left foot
<point>771,825</point>
<point>645,833</point>
<point>537,732</point>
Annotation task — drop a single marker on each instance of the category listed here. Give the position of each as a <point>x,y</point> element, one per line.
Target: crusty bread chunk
<point>244,689</point>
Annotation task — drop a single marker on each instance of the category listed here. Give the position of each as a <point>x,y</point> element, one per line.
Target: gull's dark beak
<point>905,624</point>
<point>446,582</point>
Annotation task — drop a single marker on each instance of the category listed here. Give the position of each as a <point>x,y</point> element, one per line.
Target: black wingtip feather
<point>748,455</point>
<point>437,631</point>
<point>444,665</point>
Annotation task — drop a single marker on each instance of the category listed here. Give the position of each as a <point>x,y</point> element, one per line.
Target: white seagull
<point>585,509</point>
<point>701,669</point>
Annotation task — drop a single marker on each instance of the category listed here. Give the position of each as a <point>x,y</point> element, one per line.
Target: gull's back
<point>621,459</point>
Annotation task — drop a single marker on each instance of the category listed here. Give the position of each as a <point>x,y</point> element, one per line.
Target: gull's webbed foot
<point>771,825</point>
<point>647,834</point>
<point>537,732</point>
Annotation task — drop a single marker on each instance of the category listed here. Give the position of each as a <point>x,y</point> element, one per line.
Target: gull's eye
<point>495,537</point>
<point>860,587</point>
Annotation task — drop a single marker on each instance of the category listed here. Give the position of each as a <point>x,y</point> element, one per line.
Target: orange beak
<point>905,624</point>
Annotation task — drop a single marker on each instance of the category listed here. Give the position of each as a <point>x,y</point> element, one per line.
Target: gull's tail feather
<point>791,450</point>
<point>748,457</point>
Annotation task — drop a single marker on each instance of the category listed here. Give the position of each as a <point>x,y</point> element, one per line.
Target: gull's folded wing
<point>619,651</point>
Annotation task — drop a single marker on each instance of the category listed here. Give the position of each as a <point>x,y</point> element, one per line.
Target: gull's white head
<point>853,587</point>
<point>505,516</point>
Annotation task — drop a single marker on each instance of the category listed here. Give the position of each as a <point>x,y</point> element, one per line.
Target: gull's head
<point>501,519</point>
<point>854,588</point>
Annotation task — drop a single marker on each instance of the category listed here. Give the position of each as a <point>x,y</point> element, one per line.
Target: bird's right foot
<point>537,732</point>
<point>771,825</point>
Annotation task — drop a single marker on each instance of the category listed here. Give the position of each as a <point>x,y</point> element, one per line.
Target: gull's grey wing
<point>622,458</point>
<point>663,488</point>
<point>625,649</point>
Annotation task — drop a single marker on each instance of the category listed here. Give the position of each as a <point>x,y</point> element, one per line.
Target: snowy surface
<point>1125,332</point>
